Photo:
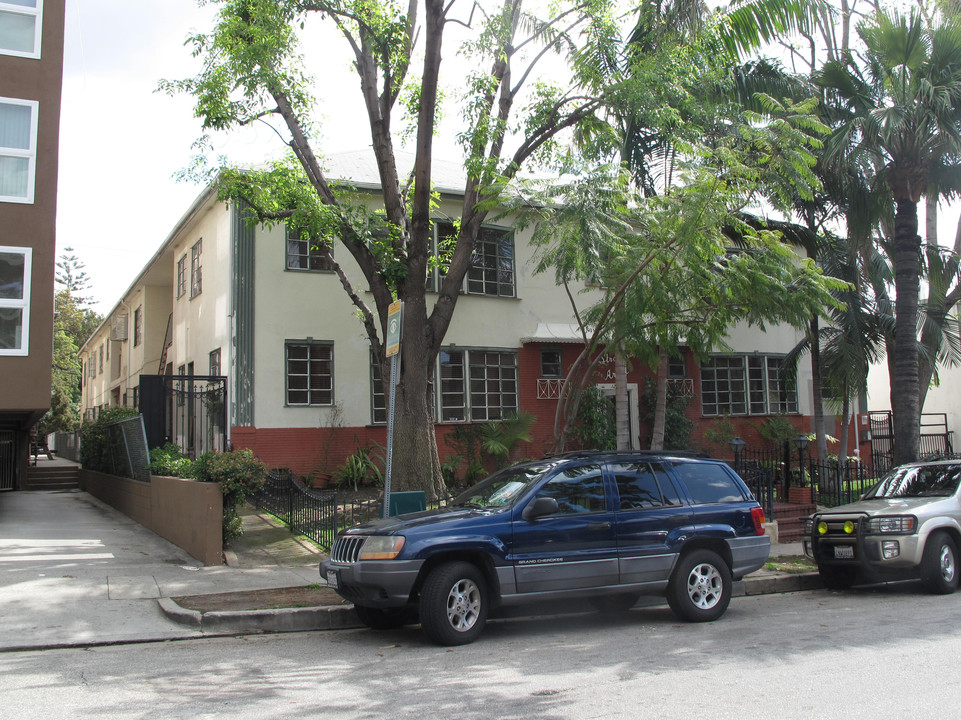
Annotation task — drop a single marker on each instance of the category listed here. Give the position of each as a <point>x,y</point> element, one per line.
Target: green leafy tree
<point>252,71</point>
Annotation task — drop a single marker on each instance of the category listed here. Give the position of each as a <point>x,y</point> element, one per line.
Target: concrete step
<point>52,478</point>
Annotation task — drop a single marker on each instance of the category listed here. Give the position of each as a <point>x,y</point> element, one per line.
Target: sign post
<point>395,324</point>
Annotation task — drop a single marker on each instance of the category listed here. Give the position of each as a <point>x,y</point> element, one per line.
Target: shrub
<point>169,460</point>
<point>98,446</point>
<point>239,474</point>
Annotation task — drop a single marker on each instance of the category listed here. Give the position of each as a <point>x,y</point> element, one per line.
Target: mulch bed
<point>276,598</point>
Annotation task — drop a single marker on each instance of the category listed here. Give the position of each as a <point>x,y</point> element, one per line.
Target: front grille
<point>346,549</point>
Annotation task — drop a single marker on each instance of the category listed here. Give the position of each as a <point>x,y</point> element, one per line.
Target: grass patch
<point>791,564</point>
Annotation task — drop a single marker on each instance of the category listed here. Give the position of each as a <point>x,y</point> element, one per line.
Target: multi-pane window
<point>746,385</point>
<point>196,276</point>
<point>551,366</point>
<point>18,149</point>
<point>100,363</point>
<point>308,254</point>
<point>378,395</point>
<point>182,276</point>
<point>310,372</point>
<point>214,363</point>
<point>138,326</point>
<point>20,27</point>
<point>492,262</point>
<point>15,271</point>
<point>479,385</point>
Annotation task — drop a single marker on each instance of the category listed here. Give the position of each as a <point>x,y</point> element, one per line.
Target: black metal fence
<point>187,410</point>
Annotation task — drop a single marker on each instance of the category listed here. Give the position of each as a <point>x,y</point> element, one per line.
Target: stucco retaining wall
<point>186,512</point>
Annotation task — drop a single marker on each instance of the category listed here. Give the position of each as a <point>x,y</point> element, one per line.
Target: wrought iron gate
<point>9,459</point>
<point>188,410</point>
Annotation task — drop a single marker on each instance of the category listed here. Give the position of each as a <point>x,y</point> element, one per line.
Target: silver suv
<point>907,526</point>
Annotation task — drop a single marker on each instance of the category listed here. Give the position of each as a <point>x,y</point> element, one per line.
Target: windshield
<point>501,488</point>
<point>918,481</point>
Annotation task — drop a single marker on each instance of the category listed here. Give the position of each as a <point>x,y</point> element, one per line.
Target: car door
<point>651,520</point>
<point>574,547</point>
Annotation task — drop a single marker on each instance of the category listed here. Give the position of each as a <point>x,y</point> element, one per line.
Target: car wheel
<point>836,578</point>
<point>381,618</point>
<point>700,588</point>
<point>614,603</point>
<point>453,603</point>
<point>939,564</point>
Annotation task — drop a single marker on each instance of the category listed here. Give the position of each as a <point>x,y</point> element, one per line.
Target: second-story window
<point>182,276</point>
<point>20,27</point>
<point>307,253</point>
<point>492,263</point>
<point>138,326</point>
<point>196,276</point>
<point>15,273</point>
<point>18,149</point>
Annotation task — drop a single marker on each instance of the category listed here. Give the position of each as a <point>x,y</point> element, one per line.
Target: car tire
<point>453,603</point>
<point>700,588</point>
<point>614,603</point>
<point>939,564</point>
<point>837,578</point>
<point>381,618</point>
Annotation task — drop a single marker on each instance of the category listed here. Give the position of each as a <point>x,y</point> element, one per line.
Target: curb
<point>340,617</point>
<point>771,584</point>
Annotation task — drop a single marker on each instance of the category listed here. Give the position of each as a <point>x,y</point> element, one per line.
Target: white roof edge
<point>555,333</point>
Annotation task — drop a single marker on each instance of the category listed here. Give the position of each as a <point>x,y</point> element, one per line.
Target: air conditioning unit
<point>118,329</point>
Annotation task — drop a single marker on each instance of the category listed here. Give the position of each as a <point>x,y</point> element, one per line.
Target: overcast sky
<point>121,143</point>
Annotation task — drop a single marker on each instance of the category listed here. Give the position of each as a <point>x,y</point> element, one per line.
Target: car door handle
<point>599,526</point>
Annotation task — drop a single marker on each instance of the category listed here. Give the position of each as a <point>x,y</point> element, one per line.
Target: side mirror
<point>539,507</point>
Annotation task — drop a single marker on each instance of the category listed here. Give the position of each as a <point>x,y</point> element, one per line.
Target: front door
<point>573,548</point>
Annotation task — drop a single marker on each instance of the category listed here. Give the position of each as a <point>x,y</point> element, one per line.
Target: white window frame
<point>196,268</point>
<point>30,153</point>
<point>20,304</point>
<point>36,12</point>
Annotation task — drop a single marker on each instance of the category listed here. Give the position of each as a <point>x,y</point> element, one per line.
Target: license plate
<point>843,552</point>
<point>332,579</point>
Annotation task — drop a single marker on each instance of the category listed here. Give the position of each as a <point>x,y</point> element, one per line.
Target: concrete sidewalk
<point>74,572</point>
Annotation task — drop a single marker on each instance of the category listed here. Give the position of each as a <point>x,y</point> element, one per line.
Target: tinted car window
<point>709,483</point>
<point>643,485</point>
<point>577,490</point>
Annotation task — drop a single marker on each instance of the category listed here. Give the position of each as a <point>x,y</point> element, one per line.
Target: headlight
<point>893,525</point>
<point>381,547</point>
<point>808,526</point>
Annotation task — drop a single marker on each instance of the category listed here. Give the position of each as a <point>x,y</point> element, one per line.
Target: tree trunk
<point>621,402</point>
<point>905,402</point>
<point>820,442</point>
<point>660,402</point>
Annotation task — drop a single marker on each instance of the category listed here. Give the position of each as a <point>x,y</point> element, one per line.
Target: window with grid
<point>196,275</point>
<point>100,363</point>
<point>182,276</point>
<point>746,385</point>
<point>213,362</point>
<point>486,391</point>
<point>310,372</point>
<point>308,254</point>
<point>492,264</point>
<point>15,274</point>
<point>20,27</point>
<point>18,149</point>
<point>378,395</point>
<point>138,326</point>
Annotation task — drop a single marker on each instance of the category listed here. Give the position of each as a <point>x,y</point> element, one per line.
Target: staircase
<point>52,475</point>
<point>790,521</point>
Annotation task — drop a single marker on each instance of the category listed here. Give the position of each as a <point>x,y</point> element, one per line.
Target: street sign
<point>395,321</point>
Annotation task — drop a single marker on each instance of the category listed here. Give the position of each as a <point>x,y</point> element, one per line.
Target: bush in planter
<point>169,460</point>
<point>240,474</point>
<point>96,445</point>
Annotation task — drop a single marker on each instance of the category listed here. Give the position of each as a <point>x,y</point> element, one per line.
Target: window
<point>676,368</point>
<point>746,385</point>
<point>308,254</point>
<point>489,391</point>
<point>18,149</point>
<point>20,27</point>
<point>709,484</point>
<point>100,364</point>
<point>138,326</point>
<point>492,263</point>
<point>214,358</point>
<point>196,278</point>
<point>15,273</point>
<point>378,397</point>
<point>577,490</point>
<point>642,485</point>
<point>182,276</point>
<point>310,372</point>
<point>551,366</point>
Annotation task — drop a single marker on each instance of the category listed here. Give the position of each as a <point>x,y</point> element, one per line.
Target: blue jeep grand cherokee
<point>606,526</point>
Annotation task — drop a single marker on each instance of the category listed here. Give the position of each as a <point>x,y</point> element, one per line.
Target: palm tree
<point>901,112</point>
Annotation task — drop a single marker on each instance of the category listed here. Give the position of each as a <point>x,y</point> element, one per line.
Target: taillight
<point>757,515</point>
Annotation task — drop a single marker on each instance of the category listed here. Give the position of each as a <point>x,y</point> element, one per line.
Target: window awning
<point>555,333</point>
